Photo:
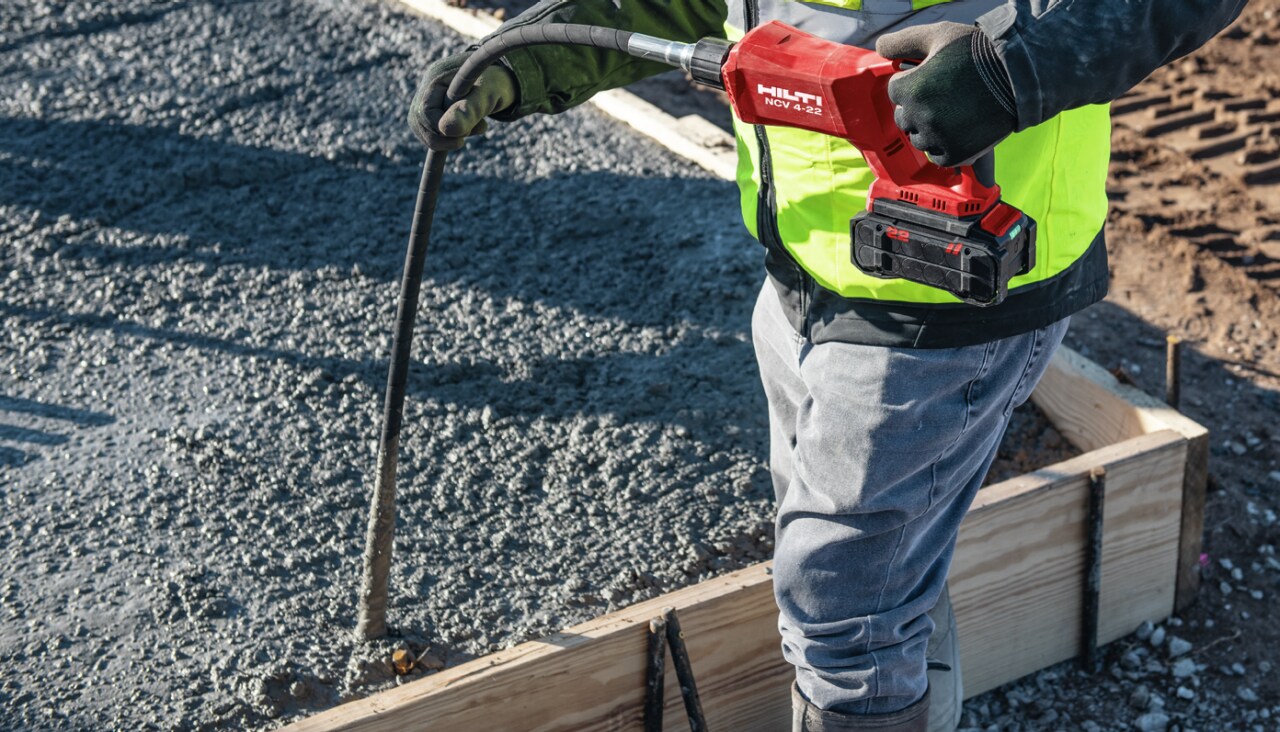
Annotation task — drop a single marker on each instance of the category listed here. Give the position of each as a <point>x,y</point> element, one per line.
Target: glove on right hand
<point>444,126</point>
<point>958,102</point>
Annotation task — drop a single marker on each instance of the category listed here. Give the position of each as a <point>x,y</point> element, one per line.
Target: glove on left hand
<point>445,126</point>
<point>958,103</point>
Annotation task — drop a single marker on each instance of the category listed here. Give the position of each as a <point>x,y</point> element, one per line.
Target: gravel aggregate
<point>204,208</point>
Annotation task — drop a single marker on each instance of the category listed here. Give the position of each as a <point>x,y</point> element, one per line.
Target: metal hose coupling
<point>702,60</point>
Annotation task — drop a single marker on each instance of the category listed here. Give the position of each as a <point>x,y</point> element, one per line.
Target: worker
<point>887,399</point>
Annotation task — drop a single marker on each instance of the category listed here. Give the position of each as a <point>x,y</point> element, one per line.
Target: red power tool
<point>942,227</point>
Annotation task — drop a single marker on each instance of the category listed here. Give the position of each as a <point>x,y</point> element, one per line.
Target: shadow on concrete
<point>603,243</point>
<point>95,24</point>
<point>639,385</point>
<point>144,197</point>
<point>79,417</point>
<point>12,433</point>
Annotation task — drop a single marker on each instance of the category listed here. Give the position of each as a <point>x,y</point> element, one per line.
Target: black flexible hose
<point>522,36</point>
<point>372,617</point>
<point>372,620</point>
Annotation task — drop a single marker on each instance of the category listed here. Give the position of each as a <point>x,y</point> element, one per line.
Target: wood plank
<point>1092,409</point>
<point>1016,585</point>
<point>1085,404</point>
<point>718,157</point>
<point>465,22</point>
<point>591,677</point>
<point>1195,481</point>
<point>1018,575</point>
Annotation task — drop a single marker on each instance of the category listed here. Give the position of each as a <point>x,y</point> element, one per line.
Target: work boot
<point>805,717</point>
<point>946,684</point>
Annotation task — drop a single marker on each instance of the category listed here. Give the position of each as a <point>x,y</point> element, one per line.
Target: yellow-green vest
<point>1055,172</point>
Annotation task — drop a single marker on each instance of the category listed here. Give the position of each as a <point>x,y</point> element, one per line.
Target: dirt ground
<point>1194,239</point>
<point>202,211</point>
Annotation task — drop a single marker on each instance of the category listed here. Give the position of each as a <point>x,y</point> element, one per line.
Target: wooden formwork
<point>1017,583</point>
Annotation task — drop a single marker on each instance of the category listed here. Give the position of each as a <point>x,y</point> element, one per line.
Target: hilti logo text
<point>781,95</point>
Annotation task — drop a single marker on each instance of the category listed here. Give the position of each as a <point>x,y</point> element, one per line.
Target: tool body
<point>942,227</point>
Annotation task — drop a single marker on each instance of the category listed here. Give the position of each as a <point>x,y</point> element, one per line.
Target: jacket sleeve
<point>1062,54</point>
<point>553,78</point>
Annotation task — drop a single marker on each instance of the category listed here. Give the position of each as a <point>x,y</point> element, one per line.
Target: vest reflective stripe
<point>846,4</point>
<point>858,4</point>
<point>1055,172</point>
<point>859,25</point>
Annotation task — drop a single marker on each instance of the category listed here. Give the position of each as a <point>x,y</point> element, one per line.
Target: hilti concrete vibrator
<point>942,227</point>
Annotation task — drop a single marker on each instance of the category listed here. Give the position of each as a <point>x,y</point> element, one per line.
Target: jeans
<point>876,454</point>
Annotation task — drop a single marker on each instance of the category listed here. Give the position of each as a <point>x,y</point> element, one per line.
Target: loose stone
<point>1152,722</point>
<point>1183,668</point>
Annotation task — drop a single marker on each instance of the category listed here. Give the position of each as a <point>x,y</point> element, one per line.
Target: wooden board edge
<point>526,657</point>
<point>1195,481</point>
<point>1166,448</point>
<point>1151,413</point>
<point>531,653</point>
<point>716,154</point>
<point>465,22</point>
<point>720,158</point>
<point>1046,478</point>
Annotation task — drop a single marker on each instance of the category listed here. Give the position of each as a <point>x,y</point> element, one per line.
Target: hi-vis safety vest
<point>802,188</point>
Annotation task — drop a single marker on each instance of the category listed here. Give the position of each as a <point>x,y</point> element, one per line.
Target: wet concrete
<point>203,209</point>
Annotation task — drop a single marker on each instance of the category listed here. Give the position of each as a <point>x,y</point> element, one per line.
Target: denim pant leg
<point>876,454</point>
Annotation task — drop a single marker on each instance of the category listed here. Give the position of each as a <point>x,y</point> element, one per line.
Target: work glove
<point>444,126</point>
<point>958,102</point>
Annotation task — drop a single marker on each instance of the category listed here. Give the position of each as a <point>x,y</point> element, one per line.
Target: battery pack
<point>972,258</point>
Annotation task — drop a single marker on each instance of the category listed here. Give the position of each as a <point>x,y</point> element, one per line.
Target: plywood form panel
<point>1018,576</point>
<point>1016,584</point>
<point>1092,409</point>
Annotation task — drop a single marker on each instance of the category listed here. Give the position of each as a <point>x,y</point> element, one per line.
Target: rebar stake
<point>1173,371</point>
<point>1093,572</point>
<point>654,686</point>
<point>684,671</point>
